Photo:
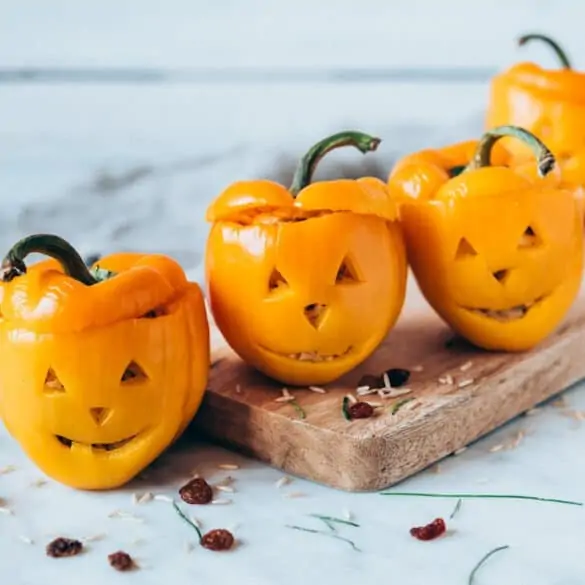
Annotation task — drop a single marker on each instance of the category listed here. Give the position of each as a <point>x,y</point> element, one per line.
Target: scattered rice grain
<point>517,439</point>
<point>496,448</point>
<point>284,399</point>
<point>225,488</point>
<point>125,515</point>
<point>351,398</point>
<point>317,389</point>
<point>39,482</point>
<point>448,379</point>
<point>466,366</point>
<point>163,498</point>
<point>362,389</point>
<point>459,451</point>
<point>465,383</point>
<point>295,495</point>
<point>238,389</point>
<point>142,498</point>
<point>285,480</point>
<point>418,368</point>
<point>6,510</point>
<point>347,514</point>
<point>94,538</point>
<point>286,393</point>
<point>228,466</point>
<point>221,502</point>
<point>7,469</point>
<point>26,539</point>
<point>386,379</point>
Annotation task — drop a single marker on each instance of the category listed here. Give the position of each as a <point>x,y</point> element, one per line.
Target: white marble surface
<point>133,166</point>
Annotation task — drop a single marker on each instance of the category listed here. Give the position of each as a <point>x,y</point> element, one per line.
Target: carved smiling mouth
<point>97,446</point>
<point>313,356</point>
<point>507,315</point>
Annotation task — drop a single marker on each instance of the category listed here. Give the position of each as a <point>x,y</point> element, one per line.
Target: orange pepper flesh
<point>548,103</point>
<point>65,347</point>
<point>496,251</point>
<point>305,283</point>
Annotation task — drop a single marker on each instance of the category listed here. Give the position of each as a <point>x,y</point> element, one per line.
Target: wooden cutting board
<point>239,410</point>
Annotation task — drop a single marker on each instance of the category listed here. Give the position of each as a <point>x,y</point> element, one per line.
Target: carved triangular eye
<point>529,239</point>
<point>133,372</point>
<point>276,281</point>
<point>464,250</point>
<point>347,272</point>
<point>52,383</point>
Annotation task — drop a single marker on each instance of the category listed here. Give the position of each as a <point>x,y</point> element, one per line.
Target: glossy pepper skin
<point>100,370</point>
<point>550,103</point>
<point>497,251</point>
<point>304,283</point>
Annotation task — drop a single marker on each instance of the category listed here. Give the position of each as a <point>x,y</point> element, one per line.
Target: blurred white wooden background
<point>121,163</point>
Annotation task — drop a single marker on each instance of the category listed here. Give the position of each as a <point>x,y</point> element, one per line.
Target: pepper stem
<point>562,56</point>
<point>545,159</point>
<point>302,177</point>
<point>13,264</point>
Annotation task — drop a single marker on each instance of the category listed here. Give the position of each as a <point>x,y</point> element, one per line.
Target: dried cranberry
<point>431,531</point>
<point>218,539</point>
<point>397,377</point>
<point>360,410</point>
<point>196,491</point>
<point>64,547</point>
<point>121,561</point>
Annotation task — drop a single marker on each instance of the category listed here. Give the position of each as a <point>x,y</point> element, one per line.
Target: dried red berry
<point>121,561</point>
<point>360,410</point>
<point>196,491</point>
<point>218,539</point>
<point>431,531</point>
<point>64,547</point>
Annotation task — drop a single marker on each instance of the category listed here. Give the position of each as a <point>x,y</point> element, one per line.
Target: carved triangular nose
<point>315,312</point>
<point>501,275</point>
<point>99,415</point>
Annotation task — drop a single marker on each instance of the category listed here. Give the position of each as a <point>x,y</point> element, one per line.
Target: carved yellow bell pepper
<point>550,103</point>
<point>305,283</point>
<point>99,370</point>
<point>497,251</point>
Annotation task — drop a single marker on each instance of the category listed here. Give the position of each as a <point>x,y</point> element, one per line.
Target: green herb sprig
<point>482,496</point>
<point>345,408</point>
<point>483,560</point>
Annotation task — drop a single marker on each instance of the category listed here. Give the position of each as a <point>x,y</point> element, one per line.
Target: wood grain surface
<point>239,410</point>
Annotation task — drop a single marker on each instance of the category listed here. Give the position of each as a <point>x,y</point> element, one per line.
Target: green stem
<point>187,520</point>
<point>545,159</point>
<point>483,560</point>
<point>13,264</point>
<point>304,173</point>
<point>562,56</point>
<point>482,496</point>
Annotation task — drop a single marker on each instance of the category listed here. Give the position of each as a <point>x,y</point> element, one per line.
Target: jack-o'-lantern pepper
<point>305,283</point>
<point>101,369</point>
<point>496,250</point>
<point>549,103</point>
